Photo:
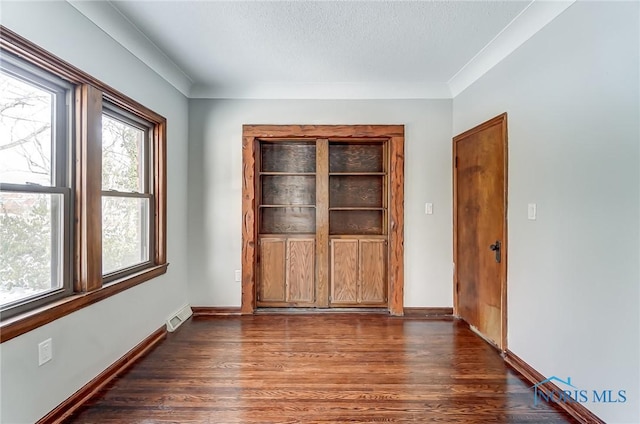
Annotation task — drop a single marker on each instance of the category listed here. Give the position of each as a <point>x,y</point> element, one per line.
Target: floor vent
<point>178,318</point>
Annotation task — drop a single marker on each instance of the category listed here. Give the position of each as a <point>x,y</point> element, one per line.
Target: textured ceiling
<point>222,45</point>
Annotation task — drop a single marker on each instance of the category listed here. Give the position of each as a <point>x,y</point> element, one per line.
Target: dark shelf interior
<point>293,157</point>
<point>287,220</point>
<point>288,190</point>
<point>364,222</point>
<point>356,157</point>
<point>355,191</point>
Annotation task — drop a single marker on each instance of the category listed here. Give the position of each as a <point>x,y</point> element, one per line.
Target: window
<point>127,205</point>
<point>35,197</point>
<point>82,189</point>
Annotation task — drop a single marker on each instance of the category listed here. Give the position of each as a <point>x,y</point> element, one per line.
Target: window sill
<point>23,323</point>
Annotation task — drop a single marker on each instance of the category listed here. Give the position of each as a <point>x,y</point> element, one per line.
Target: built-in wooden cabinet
<point>323,212</point>
<point>287,187</point>
<point>357,188</point>
<point>358,193</point>
<point>358,272</point>
<point>287,271</point>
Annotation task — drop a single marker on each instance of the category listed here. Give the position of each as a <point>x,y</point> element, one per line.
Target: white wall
<point>572,96</point>
<point>88,341</point>
<point>215,175</point>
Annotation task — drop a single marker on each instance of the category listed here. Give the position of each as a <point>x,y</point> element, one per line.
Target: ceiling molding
<point>113,23</point>
<point>336,91</point>
<point>531,20</point>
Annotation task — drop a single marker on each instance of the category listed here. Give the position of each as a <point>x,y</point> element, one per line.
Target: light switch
<point>532,211</point>
<point>428,208</point>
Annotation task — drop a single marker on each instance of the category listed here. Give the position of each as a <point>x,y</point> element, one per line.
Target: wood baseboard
<point>575,409</point>
<point>440,313</point>
<point>75,401</point>
<point>214,311</point>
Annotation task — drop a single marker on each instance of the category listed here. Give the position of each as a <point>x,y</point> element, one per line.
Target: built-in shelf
<point>288,157</point>
<point>287,220</point>
<point>318,206</point>
<point>276,174</point>
<point>356,173</point>
<point>356,209</point>
<point>287,206</point>
<point>356,222</point>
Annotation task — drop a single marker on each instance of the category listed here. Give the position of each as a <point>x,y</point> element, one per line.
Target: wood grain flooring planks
<point>319,368</point>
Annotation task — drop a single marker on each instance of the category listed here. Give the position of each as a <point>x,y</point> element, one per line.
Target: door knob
<point>496,248</point>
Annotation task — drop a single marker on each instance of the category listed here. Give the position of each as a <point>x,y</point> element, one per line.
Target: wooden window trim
<point>23,323</point>
<point>88,190</point>
<point>87,254</point>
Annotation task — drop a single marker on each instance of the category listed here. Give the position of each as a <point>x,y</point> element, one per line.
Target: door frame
<point>502,121</point>
<point>251,134</point>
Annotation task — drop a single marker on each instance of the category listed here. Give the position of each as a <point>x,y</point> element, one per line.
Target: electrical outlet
<point>238,276</point>
<point>45,352</point>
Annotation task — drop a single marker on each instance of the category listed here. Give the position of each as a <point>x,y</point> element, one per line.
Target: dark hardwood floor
<point>324,368</point>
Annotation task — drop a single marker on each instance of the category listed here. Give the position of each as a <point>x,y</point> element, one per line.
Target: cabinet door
<point>372,271</point>
<point>271,287</point>
<point>301,270</point>
<point>344,271</point>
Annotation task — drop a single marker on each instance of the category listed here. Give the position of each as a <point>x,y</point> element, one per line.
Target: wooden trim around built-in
<point>249,230</point>
<point>393,133</point>
<point>396,225</point>
<point>575,409</point>
<point>78,399</point>
<point>322,225</point>
<point>381,132</point>
<point>215,311</point>
<point>20,324</point>
<point>429,312</point>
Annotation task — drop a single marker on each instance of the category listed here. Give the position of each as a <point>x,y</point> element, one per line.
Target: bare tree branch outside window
<point>26,230</point>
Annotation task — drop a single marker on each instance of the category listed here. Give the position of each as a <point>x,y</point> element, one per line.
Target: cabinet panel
<point>344,271</point>
<point>372,271</point>
<point>272,270</point>
<point>301,270</point>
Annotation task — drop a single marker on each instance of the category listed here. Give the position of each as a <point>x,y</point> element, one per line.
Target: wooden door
<point>301,270</point>
<point>372,271</point>
<point>287,271</point>
<point>272,270</point>
<point>358,272</point>
<point>480,183</point>
<point>344,271</point>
